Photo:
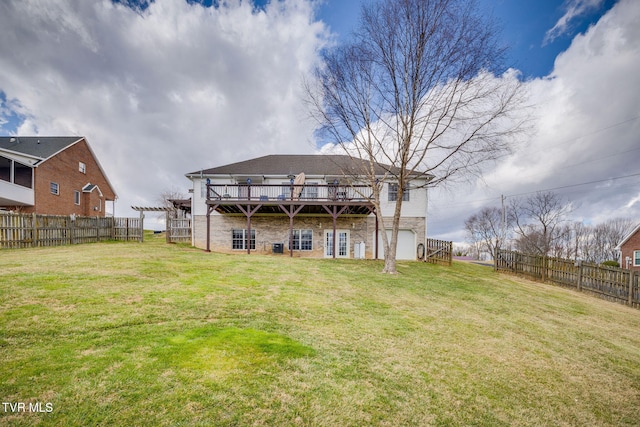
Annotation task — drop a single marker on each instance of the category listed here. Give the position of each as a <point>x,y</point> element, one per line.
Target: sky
<point>168,87</point>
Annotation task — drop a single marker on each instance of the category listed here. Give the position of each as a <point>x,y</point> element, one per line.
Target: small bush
<point>611,263</point>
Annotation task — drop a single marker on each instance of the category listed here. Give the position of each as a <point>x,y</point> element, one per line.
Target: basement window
<point>239,239</point>
<point>302,240</point>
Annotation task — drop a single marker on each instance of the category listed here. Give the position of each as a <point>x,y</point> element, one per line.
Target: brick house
<point>52,175</point>
<point>629,249</point>
<point>296,204</point>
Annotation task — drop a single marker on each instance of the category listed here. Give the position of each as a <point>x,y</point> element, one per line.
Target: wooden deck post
<point>291,212</point>
<point>632,275</point>
<point>335,213</point>
<point>249,213</point>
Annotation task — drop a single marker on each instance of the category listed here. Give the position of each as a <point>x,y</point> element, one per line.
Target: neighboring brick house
<point>293,204</point>
<point>52,175</point>
<point>629,249</point>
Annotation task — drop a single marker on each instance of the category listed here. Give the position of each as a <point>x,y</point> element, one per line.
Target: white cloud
<point>574,9</point>
<point>165,91</point>
<point>587,127</point>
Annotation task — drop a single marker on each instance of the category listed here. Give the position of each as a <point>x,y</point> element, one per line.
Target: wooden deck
<point>289,200</point>
<point>307,199</point>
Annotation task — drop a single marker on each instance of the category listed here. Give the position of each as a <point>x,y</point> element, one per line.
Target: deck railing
<point>284,192</point>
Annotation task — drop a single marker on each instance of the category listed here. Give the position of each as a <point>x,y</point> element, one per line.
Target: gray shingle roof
<point>41,147</point>
<point>311,164</point>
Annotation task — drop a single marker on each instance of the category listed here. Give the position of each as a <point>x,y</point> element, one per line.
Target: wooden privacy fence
<point>179,230</point>
<point>439,252</point>
<point>610,283</point>
<point>33,230</point>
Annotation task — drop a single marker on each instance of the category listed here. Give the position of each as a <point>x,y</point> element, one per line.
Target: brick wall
<point>275,229</point>
<point>631,245</point>
<point>63,169</point>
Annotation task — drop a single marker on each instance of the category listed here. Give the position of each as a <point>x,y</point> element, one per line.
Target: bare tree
<point>539,222</point>
<point>489,228</point>
<point>602,239</point>
<point>419,89</point>
<point>166,200</point>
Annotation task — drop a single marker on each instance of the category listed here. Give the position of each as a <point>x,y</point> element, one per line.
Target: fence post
<point>168,227</point>
<point>72,223</point>
<point>579,265</point>
<point>631,280</point>
<point>34,230</point>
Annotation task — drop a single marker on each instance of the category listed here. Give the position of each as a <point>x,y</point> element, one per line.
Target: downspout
<point>426,216</point>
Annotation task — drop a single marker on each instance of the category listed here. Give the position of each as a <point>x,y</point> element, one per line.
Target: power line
<point>576,185</point>
<point>488,199</point>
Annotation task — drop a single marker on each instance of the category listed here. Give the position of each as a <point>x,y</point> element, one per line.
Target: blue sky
<point>174,87</point>
<point>524,25</point>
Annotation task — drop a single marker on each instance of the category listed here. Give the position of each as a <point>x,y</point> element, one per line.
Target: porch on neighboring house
<point>332,201</point>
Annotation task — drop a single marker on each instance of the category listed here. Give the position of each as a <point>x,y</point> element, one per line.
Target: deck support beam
<point>210,209</point>
<point>249,213</point>
<point>291,212</point>
<point>335,213</point>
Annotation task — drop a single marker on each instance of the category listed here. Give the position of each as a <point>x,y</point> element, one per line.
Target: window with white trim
<point>302,240</point>
<point>55,188</point>
<point>76,197</point>
<point>393,193</point>
<point>239,239</point>
<point>82,167</point>
<point>636,258</point>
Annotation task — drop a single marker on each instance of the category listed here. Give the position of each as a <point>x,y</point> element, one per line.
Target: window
<point>239,239</point>
<point>82,167</point>
<point>636,258</point>
<point>76,197</point>
<point>16,173</point>
<point>22,175</point>
<point>55,189</point>
<point>393,193</point>
<point>5,169</point>
<point>203,189</point>
<point>302,240</point>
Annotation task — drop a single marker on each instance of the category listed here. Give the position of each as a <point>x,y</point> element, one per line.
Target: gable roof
<point>41,147</point>
<point>628,236</point>
<point>293,164</point>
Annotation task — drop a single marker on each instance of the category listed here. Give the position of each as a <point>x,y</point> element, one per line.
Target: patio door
<point>342,244</point>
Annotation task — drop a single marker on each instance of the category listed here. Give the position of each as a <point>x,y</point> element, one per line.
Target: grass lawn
<point>164,335</point>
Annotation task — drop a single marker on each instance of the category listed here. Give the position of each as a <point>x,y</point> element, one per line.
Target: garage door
<point>406,245</point>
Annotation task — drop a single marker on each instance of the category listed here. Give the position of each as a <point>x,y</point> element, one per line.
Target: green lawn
<point>154,334</point>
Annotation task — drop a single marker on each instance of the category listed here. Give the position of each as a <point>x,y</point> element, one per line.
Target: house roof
<point>628,236</point>
<point>41,147</point>
<point>293,164</point>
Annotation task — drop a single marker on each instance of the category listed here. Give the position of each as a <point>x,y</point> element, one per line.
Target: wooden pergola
<point>143,209</point>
